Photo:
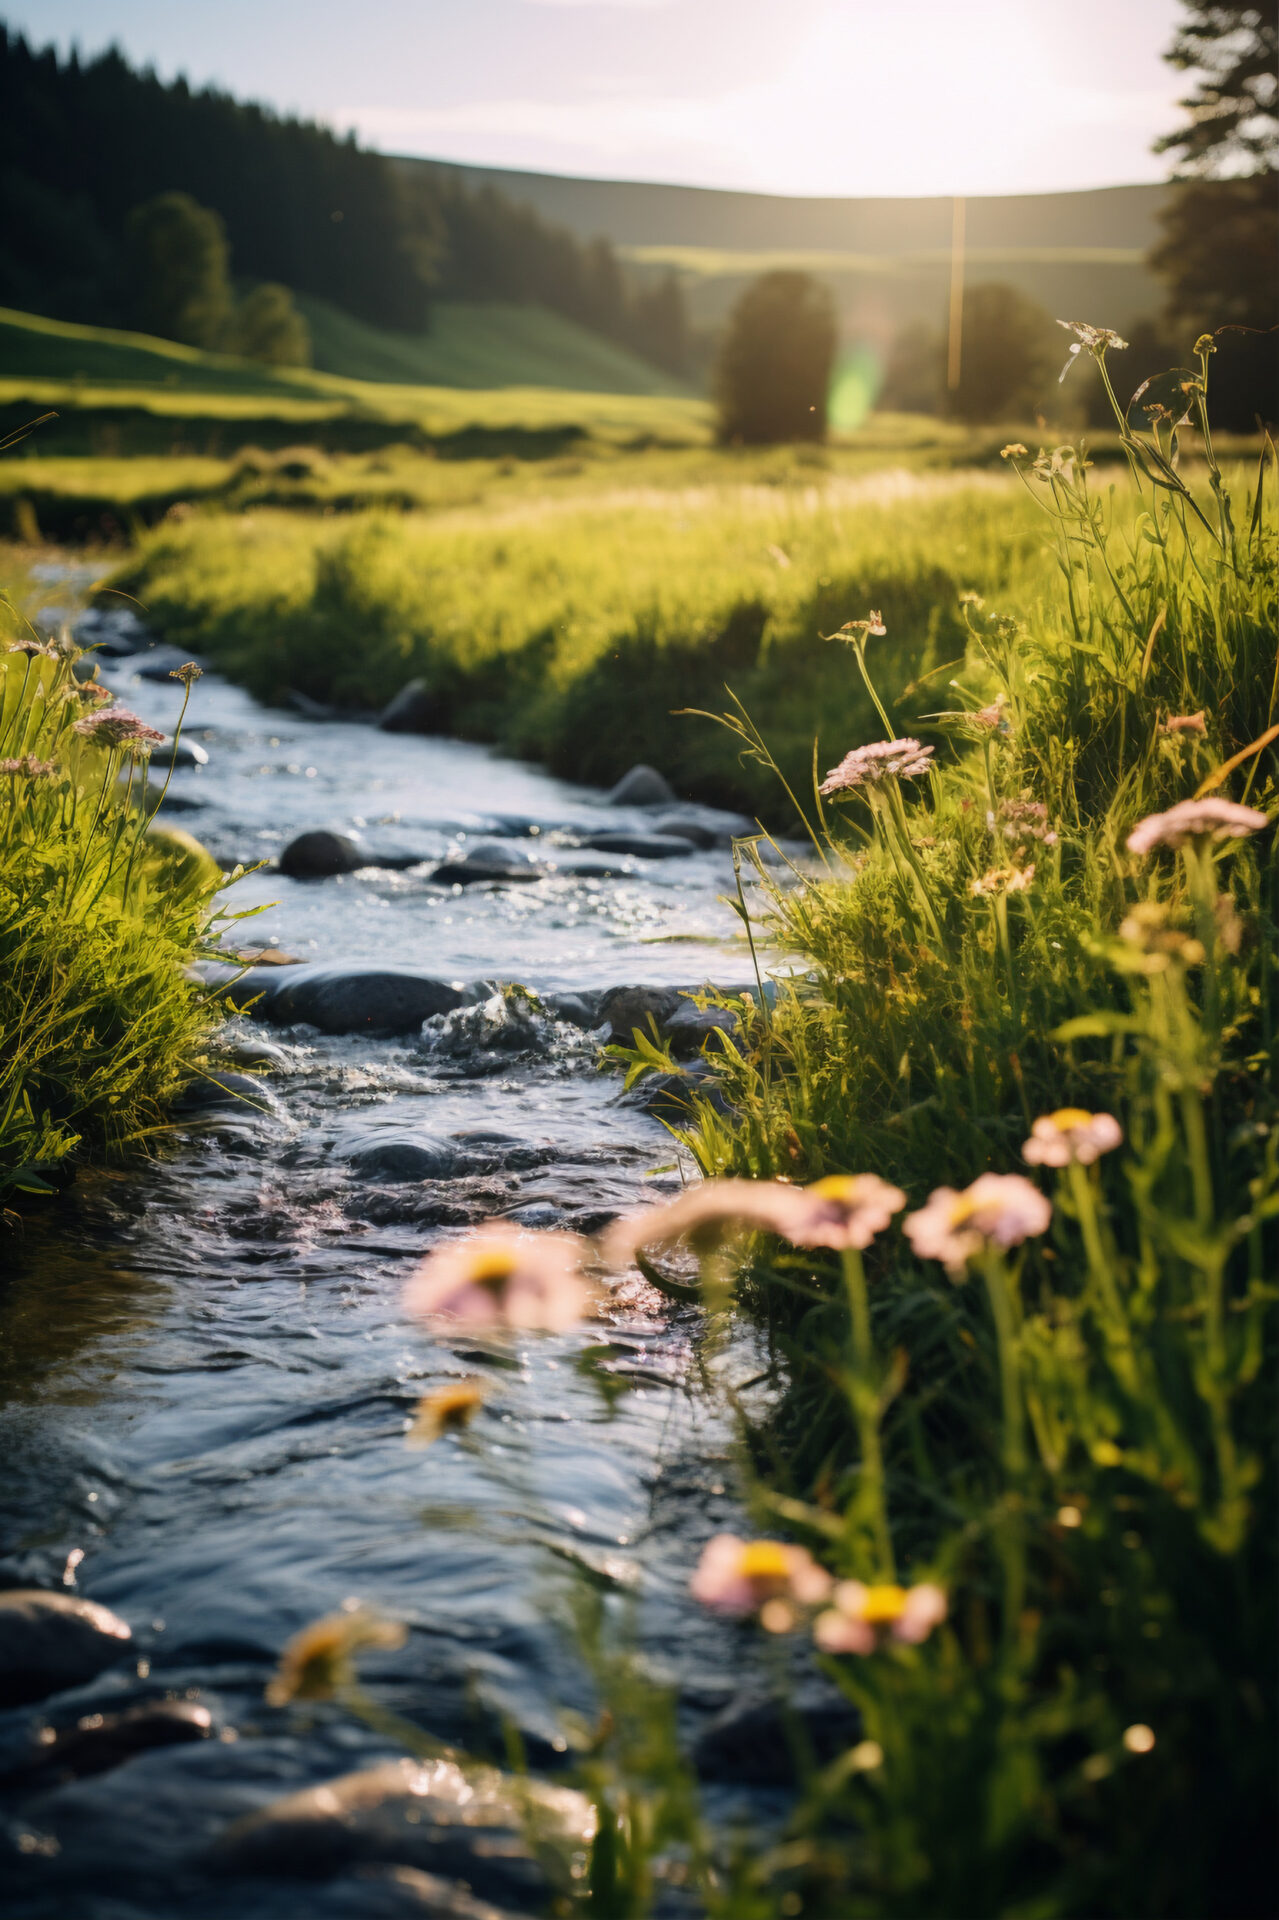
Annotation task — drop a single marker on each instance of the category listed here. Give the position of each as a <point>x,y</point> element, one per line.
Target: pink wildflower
<point>881,760</point>
<point>501,1277</point>
<point>1003,880</point>
<point>1210,818</point>
<point>759,1576</point>
<point>118,728</point>
<point>841,1211</point>
<point>862,1616</point>
<point>1021,821</point>
<point>1071,1134</point>
<point>997,1210</point>
<point>29,768</point>
<point>33,649</point>
<point>1183,723</point>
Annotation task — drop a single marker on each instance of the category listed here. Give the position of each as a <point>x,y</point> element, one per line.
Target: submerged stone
<point>471,1825</point>
<point>49,1641</point>
<point>640,846</point>
<point>99,1741</point>
<point>318,854</point>
<point>398,1159</point>
<point>486,860</point>
<point>361,998</point>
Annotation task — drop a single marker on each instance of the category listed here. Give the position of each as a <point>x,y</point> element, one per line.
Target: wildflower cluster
<point>882,760</point>
<point>118,728</point>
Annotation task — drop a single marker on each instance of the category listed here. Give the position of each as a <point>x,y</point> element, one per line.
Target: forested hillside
<point>84,144</point>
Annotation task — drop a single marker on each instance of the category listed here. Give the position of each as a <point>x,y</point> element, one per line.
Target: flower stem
<point>866,1408</point>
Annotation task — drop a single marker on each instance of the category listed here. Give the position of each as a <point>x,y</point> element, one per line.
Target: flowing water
<point>208,1376</point>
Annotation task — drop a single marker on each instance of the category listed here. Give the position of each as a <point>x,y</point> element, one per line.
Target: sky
<point>775,96</point>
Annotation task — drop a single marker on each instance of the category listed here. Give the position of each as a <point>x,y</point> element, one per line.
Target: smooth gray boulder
<point>318,854</point>
<point>642,787</point>
<point>49,1641</point>
<point>486,860</point>
<point>467,1825</point>
<point>414,709</point>
<point>690,1027</point>
<point>641,846</point>
<point>705,826</point>
<point>395,1159</point>
<point>622,1009</point>
<point>360,998</point>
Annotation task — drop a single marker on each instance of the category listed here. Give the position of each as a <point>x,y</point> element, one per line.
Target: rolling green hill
<point>120,392</point>
<point>481,346</point>
<point>886,260</point>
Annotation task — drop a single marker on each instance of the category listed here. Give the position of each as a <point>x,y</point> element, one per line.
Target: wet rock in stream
<point>471,1825</point>
<point>49,1641</point>
<point>320,854</point>
<point>360,998</point>
<point>642,787</point>
<point>96,1742</point>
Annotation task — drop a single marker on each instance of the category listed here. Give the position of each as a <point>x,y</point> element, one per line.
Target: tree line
<point>84,145</point>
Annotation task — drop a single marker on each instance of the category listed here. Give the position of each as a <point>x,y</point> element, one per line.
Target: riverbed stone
<point>690,1027</point>
<point>317,854</point>
<point>359,998</point>
<point>415,709</point>
<point>461,1825</point>
<point>486,860</point>
<point>49,1641</point>
<point>97,1742</point>
<point>704,826</point>
<point>622,1009</point>
<point>395,1159</point>
<point>642,787</point>
<point>639,846</point>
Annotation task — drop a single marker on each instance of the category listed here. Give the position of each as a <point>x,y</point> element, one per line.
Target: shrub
<point>773,372</point>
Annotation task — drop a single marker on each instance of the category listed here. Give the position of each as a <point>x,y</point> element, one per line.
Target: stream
<point>208,1378</point>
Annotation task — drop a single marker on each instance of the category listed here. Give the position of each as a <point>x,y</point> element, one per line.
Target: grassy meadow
<point>569,628</point>
<point>1033,1435</point>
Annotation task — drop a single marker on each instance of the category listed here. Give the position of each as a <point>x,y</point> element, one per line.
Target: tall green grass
<point>99,911</point>
<point>1075,1438</point>
<point>571,631</point>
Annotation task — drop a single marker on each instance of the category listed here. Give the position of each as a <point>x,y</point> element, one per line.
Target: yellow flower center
<point>883,1605</point>
<point>492,1268</point>
<point>836,1186</point>
<point>763,1560</point>
<point>1067,1118</point>
<point>962,1210</point>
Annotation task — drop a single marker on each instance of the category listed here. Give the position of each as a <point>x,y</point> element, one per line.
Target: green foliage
<point>1076,1439</point>
<point>1233,45</point>
<point>98,914</point>
<point>573,631</point>
<point>266,326</point>
<point>301,207</point>
<point>773,372</point>
<point>177,260</point>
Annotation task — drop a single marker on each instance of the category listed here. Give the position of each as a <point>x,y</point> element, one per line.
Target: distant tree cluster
<point>177,265</point>
<point>772,377</point>
<point>83,146</point>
